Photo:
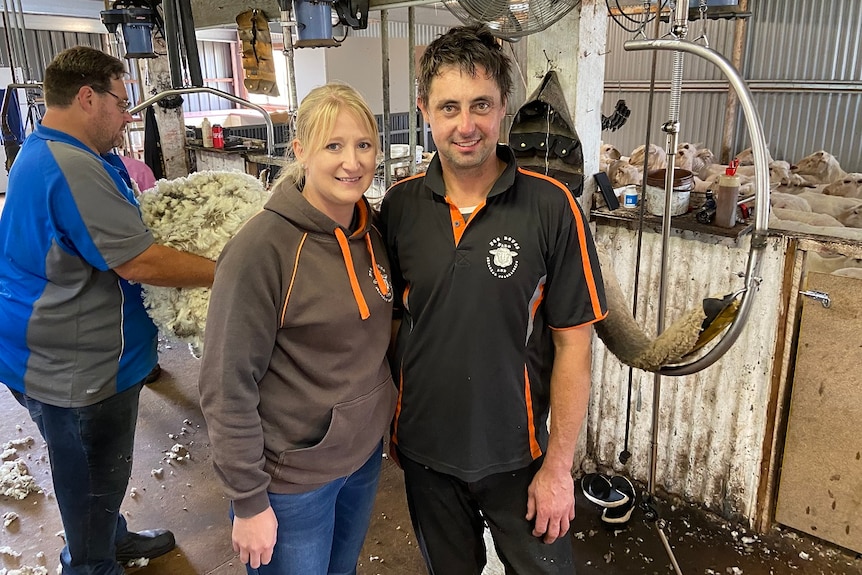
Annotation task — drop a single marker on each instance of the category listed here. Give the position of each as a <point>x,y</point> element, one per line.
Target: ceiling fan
<point>511,19</point>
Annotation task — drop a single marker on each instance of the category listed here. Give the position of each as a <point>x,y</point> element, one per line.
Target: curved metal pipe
<point>7,95</point>
<point>270,130</point>
<point>761,189</point>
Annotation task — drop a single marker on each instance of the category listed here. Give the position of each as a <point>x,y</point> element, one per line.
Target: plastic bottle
<point>207,133</point>
<point>727,197</point>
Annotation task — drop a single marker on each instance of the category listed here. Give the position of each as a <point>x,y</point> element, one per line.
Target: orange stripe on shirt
<point>538,302</point>
<point>582,239</point>
<point>457,221</point>
<point>394,438</point>
<point>292,277</point>
<point>535,450</point>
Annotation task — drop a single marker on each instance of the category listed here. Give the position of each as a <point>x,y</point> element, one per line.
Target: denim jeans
<point>91,462</point>
<point>321,532</point>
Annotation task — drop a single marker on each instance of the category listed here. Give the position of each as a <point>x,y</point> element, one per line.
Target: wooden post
<point>172,130</point>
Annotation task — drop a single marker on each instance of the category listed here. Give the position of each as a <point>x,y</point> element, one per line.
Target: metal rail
<point>270,130</point>
<point>761,187</point>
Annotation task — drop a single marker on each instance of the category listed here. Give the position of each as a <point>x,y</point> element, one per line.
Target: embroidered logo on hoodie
<point>388,296</point>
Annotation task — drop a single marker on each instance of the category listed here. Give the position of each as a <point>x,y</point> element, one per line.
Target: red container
<point>218,136</point>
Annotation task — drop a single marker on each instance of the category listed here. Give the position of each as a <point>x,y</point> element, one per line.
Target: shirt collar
<point>434,174</point>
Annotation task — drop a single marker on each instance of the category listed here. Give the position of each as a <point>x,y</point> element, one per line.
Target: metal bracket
<point>820,296</point>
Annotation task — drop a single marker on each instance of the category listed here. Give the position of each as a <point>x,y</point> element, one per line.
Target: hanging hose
<point>625,454</point>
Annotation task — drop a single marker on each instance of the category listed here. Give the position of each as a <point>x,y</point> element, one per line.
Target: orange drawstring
<point>364,313</point>
<point>381,283</point>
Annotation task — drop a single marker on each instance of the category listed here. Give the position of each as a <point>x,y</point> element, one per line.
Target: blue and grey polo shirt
<point>72,332</point>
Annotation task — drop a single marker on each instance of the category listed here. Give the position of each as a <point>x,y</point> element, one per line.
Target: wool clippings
<point>196,214</point>
<point>16,481</point>
<point>25,570</point>
<point>9,518</point>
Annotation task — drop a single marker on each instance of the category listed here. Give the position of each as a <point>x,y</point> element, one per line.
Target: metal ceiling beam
<point>213,13</point>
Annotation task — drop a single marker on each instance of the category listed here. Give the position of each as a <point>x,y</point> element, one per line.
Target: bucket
<point>683,184</point>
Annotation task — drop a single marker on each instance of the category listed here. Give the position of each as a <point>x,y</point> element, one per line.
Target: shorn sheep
<point>850,186</point>
<point>819,168</point>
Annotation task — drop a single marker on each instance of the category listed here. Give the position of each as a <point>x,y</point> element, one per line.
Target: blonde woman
<point>294,382</point>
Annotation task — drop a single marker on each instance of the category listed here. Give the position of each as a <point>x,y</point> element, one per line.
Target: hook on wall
<point>549,63</point>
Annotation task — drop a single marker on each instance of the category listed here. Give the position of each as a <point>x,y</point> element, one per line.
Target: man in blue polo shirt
<point>499,283</point>
<point>75,340</point>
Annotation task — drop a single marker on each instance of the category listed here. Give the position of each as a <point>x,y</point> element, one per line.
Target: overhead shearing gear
<point>257,62</point>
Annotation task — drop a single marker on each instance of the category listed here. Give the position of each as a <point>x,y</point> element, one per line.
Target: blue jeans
<point>321,532</point>
<point>91,462</point>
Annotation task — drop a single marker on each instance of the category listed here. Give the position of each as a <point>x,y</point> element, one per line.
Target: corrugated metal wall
<point>42,45</point>
<point>627,77</point>
<point>803,63</point>
<point>217,71</point>
<point>712,424</point>
<point>809,55</point>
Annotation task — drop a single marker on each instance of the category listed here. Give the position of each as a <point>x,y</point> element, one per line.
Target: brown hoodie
<point>294,383</point>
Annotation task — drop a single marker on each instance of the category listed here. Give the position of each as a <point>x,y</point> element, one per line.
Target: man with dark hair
<point>75,340</point>
<point>499,284</point>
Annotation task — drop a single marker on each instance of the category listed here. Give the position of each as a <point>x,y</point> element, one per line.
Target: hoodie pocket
<point>355,430</point>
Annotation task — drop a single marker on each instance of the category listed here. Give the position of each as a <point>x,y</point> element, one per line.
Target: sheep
<point>828,262</point>
<point>715,170</point>
<point>746,157</point>
<point>657,158</point>
<point>607,154</point>
<point>790,201</point>
<point>703,185</point>
<point>830,205</point>
<point>795,185</point>
<point>694,157</point>
<point>622,173</point>
<point>829,231</point>
<point>852,217</point>
<point>849,273</point>
<point>778,171</point>
<point>850,186</point>
<point>810,218</point>
<point>819,168</point>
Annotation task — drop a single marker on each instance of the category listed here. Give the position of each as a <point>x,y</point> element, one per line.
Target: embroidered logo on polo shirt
<point>501,259</point>
<point>388,297</point>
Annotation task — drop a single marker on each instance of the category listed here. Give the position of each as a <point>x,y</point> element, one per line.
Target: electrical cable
<point>626,454</point>
<point>640,24</point>
<point>343,38</point>
<point>623,14</point>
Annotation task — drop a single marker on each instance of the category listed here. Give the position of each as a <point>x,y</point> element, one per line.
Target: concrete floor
<point>184,499</point>
<point>187,500</point>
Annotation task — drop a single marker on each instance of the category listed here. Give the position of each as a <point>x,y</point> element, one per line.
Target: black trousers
<point>449,516</point>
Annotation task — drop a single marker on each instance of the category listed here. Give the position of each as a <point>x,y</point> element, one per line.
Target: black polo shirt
<point>474,354</point>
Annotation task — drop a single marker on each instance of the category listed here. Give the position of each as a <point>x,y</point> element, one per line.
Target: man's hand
<point>551,503</point>
<point>254,537</point>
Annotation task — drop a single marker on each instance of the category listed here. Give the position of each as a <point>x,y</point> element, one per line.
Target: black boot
<point>153,375</point>
<point>150,544</point>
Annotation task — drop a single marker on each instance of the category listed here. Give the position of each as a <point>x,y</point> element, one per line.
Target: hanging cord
<point>625,455</point>
<point>622,19</point>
